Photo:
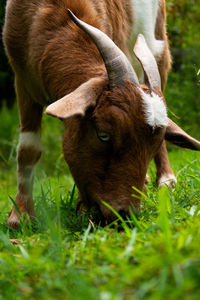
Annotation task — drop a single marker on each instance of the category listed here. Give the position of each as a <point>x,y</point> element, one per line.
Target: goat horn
<point>148,62</point>
<point>117,64</point>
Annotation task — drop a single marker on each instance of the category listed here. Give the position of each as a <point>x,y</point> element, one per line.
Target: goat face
<point>114,126</point>
<point>109,149</point>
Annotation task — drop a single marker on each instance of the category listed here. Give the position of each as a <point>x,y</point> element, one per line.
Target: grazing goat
<point>113,125</point>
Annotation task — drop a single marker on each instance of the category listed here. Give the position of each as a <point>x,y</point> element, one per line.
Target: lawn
<point>63,255</point>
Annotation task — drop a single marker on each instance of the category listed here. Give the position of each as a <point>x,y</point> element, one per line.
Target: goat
<point>113,125</point>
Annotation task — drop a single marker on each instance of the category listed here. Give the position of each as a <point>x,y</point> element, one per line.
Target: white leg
<point>29,151</point>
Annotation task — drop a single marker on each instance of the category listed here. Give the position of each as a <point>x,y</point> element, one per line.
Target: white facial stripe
<point>155,110</point>
<point>145,15</point>
<point>28,139</point>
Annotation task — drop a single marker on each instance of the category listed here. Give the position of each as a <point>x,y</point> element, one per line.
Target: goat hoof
<point>168,180</point>
<point>147,179</point>
<point>14,218</point>
<point>13,221</point>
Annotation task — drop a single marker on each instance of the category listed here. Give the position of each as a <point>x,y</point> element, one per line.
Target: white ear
<point>77,102</point>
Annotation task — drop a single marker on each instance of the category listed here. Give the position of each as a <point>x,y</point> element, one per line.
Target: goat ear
<point>177,136</point>
<point>148,62</point>
<point>77,102</point>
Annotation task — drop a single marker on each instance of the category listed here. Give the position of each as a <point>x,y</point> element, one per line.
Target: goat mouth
<point>95,214</point>
<point>102,212</point>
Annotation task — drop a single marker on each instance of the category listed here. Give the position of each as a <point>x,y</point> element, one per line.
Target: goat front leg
<point>165,175</point>
<point>28,153</point>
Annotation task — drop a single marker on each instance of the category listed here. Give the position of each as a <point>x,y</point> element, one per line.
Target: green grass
<point>63,256</point>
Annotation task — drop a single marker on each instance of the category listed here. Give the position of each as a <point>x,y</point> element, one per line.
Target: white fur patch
<point>26,174</point>
<point>28,139</point>
<point>25,179</point>
<point>167,180</point>
<point>155,110</point>
<point>145,15</point>
<point>144,21</point>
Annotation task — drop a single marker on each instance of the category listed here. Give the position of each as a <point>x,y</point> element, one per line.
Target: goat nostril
<point>123,213</point>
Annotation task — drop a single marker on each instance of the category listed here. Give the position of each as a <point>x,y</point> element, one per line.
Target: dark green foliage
<point>6,75</point>
<point>183,88</point>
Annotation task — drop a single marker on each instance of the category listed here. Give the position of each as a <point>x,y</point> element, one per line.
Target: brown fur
<point>51,57</point>
<point>28,156</point>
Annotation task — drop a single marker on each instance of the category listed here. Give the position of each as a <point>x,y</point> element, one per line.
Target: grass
<point>64,256</point>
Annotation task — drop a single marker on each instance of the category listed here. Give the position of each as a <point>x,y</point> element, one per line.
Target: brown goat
<point>114,126</point>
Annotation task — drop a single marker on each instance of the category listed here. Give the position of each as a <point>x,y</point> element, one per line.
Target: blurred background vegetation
<point>183,88</point>
<point>7,94</point>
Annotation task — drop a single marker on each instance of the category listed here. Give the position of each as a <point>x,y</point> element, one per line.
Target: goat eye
<point>103,136</point>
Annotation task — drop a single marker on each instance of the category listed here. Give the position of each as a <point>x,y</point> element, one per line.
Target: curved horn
<point>148,62</point>
<point>117,64</point>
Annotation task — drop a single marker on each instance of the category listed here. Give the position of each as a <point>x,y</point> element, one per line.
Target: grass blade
<point>118,216</point>
<point>72,195</point>
<point>15,205</point>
